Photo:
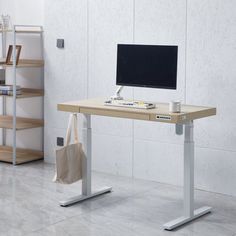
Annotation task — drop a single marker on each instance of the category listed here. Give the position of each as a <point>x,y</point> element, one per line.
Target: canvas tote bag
<point>69,158</point>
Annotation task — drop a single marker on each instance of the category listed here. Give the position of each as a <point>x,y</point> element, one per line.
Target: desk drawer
<point>115,113</point>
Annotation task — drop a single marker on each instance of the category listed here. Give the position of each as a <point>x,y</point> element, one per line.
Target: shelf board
<point>21,31</point>
<point>22,155</point>
<point>26,63</point>
<point>21,123</point>
<point>5,31</point>
<point>28,93</point>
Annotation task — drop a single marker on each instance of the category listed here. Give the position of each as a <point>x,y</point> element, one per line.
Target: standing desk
<point>159,114</point>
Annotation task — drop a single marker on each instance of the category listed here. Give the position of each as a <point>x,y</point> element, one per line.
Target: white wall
<point>23,11</point>
<point>26,12</point>
<point>205,32</point>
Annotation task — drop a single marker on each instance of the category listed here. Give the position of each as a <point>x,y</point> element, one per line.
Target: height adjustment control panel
<point>163,117</point>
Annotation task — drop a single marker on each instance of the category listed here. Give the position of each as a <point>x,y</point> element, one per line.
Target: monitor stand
<point>118,101</point>
<point>117,94</point>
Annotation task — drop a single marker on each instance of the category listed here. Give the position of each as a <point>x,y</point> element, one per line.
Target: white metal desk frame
<point>189,213</point>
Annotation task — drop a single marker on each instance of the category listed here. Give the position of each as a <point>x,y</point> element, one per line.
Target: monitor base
<point>117,94</point>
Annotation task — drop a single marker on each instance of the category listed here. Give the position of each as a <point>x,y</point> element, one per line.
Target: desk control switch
<point>179,129</point>
<point>163,117</point>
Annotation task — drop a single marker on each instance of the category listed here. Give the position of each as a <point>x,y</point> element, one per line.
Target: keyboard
<point>130,104</point>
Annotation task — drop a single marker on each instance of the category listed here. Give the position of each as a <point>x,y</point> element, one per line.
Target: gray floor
<point>29,206</point>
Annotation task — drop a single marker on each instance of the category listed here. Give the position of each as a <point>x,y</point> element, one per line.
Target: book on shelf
<point>9,92</point>
<point>6,87</point>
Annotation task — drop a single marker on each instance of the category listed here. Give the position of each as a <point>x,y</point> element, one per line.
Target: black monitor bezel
<point>146,86</point>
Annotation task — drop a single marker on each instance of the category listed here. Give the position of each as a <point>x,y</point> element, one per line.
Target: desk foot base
<point>183,220</point>
<point>81,198</point>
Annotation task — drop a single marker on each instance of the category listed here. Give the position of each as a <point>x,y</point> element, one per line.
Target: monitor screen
<point>147,66</point>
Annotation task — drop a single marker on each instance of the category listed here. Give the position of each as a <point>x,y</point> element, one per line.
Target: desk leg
<point>87,192</point>
<point>189,212</point>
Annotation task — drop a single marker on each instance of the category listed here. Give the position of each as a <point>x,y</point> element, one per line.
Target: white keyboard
<point>130,104</point>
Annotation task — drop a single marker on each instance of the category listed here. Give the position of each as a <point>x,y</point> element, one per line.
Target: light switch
<point>60,43</point>
<point>60,141</point>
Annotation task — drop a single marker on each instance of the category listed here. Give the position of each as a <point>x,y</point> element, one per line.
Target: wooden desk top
<point>159,114</point>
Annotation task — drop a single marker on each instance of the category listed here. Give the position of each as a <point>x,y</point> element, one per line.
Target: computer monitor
<point>152,66</point>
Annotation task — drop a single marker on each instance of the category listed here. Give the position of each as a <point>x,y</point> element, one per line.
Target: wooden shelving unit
<point>13,154</point>
<point>22,155</point>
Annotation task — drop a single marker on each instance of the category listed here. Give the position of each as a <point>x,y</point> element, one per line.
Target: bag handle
<point>76,136</point>
<point>72,122</point>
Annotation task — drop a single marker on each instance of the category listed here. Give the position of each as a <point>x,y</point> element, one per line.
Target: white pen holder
<point>174,106</point>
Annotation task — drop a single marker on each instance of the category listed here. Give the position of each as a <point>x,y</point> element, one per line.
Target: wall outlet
<point>60,141</point>
<point>60,43</point>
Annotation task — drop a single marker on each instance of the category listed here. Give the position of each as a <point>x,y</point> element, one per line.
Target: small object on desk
<point>129,104</point>
<point>175,107</point>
